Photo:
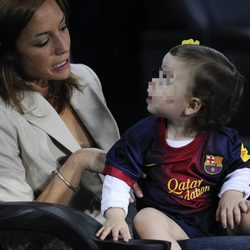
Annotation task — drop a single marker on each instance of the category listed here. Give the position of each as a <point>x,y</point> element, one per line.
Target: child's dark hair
<point>215,81</point>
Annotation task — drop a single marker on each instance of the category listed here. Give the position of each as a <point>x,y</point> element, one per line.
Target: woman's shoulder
<point>84,73</point>
<point>5,109</point>
<point>9,116</point>
<point>87,77</point>
<point>81,69</point>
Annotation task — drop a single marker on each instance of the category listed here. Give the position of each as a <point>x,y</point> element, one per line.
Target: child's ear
<point>193,106</point>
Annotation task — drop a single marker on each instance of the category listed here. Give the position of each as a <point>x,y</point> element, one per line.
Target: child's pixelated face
<point>168,94</point>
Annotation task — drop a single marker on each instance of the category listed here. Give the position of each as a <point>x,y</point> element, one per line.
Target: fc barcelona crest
<point>213,164</point>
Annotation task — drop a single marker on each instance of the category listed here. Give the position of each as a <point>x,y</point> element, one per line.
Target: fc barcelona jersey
<point>181,182</point>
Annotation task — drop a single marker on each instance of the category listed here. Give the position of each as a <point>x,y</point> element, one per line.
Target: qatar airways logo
<point>187,190</point>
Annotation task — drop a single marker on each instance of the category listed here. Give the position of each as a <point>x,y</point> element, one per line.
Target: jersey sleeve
<point>238,180</point>
<point>115,193</point>
<point>124,160</point>
<point>238,175</point>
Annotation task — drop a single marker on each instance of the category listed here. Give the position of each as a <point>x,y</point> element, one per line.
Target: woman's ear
<point>193,107</point>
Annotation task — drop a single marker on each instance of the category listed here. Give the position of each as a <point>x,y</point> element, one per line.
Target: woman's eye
<point>43,43</point>
<point>64,27</point>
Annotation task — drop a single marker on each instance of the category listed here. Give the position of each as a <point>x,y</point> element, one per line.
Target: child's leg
<point>150,223</point>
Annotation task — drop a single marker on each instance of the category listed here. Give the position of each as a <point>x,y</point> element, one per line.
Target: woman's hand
<point>92,159</point>
<point>137,190</point>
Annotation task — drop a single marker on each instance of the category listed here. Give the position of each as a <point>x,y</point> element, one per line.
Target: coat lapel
<point>95,116</point>
<point>40,113</point>
<point>92,111</point>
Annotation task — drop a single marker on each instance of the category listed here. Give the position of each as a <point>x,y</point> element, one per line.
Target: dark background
<point>125,41</point>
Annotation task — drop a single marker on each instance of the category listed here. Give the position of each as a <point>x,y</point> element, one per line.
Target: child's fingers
<point>218,214</point>
<point>103,232</point>
<point>237,217</point>
<point>222,216</point>
<point>243,206</point>
<point>125,234</point>
<point>115,233</point>
<point>121,233</point>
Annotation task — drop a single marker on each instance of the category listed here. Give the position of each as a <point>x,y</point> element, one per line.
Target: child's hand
<point>230,207</point>
<point>116,224</point>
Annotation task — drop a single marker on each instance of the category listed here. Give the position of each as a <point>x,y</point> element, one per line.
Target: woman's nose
<point>62,45</point>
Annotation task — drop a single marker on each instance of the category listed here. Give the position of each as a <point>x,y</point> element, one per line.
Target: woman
<point>50,110</point>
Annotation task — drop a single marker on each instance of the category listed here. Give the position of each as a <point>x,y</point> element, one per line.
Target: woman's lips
<point>61,66</point>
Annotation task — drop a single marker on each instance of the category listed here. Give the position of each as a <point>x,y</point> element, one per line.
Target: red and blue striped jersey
<point>181,182</point>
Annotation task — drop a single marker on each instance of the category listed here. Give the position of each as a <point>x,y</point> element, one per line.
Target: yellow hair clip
<point>190,41</point>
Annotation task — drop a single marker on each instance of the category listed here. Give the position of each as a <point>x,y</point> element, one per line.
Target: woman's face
<point>43,47</point>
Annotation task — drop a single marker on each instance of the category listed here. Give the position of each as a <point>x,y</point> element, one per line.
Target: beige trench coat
<point>31,143</point>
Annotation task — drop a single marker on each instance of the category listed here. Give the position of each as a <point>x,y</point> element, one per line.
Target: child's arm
<point>230,207</point>
<point>233,196</point>
<point>116,224</point>
<point>114,205</point>
<point>238,180</point>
